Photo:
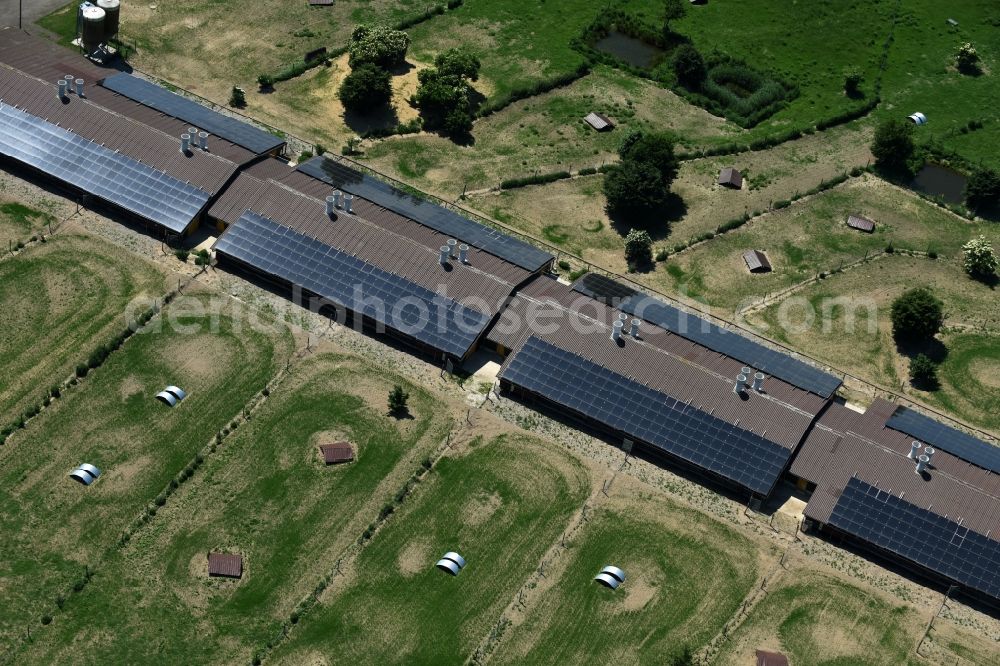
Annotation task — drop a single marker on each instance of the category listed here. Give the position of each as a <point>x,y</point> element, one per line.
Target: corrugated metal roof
<point>598,121</point>
<point>547,300</point>
<point>245,192</point>
<point>337,453</point>
<point>364,240</point>
<point>756,261</point>
<point>861,223</point>
<point>731,177</point>
<point>83,117</point>
<point>845,444</point>
<point>225,564</point>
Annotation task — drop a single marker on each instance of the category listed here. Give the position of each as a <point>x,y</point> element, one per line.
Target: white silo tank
<point>112,13</point>
<point>91,27</point>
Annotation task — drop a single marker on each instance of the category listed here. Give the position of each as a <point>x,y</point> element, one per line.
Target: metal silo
<point>112,12</point>
<point>91,27</point>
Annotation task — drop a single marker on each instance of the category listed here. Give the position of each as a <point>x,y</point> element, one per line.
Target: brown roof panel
<point>227,565</point>
<point>338,452</point>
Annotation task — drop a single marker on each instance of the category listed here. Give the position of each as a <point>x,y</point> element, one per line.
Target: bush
<point>182,255</point>
<point>444,96</point>
<point>82,370</point>
<point>564,265</point>
<point>782,203</point>
<point>265,81</point>
<point>587,171</point>
<point>980,260</point>
<point>237,98</point>
<point>852,82</point>
<point>893,143</point>
<point>967,59</point>
<point>638,248</point>
<point>46,619</point>
<point>923,372</point>
<point>537,179</point>
<point>378,45</point>
<point>661,255</point>
<point>689,66</point>
<point>917,315</point>
<point>367,88</point>
<point>397,400</point>
<point>458,62</point>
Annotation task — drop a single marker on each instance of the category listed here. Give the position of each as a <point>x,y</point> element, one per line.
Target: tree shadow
<point>991,281</point>
<point>379,118</point>
<point>401,69</point>
<point>933,349</point>
<point>658,222</point>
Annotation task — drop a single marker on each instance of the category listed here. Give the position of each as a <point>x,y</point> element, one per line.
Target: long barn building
<point>644,374</point>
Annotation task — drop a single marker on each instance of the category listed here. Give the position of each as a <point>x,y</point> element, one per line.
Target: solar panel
<point>646,414</point>
<point>604,289</point>
<point>436,217</point>
<point>946,438</point>
<point>205,119</point>
<point>921,536</point>
<point>126,182</point>
<point>743,349</point>
<point>389,299</point>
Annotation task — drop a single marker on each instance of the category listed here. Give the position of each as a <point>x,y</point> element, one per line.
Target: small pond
<point>940,181</point>
<point>633,51</point>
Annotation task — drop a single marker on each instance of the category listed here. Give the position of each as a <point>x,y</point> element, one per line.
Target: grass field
<point>547,133</point>
<point>865,294</point>
<point>501,505</point>
<point>266,495</point>
<point>70,295</point>
<point>571,214</point>
<point>818,620</point>
<point>810,237</point>
<point>686,577</point>
<point>922,77</point>
<point>18,223</point>
<point>54,528</point>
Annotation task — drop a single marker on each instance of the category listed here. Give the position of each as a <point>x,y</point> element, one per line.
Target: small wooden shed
<point>861,223</point>
<point>731,177</point>
<point>599,122</point>
<point>757,261</point>
<point>336,453</point>
<point>225,565</point>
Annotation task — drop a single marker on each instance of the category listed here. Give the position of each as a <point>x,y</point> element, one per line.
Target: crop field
<point>70,295</point>
<point>687,575</point>
<point>266,494</point>
<point>500,504</point>
<point>811,237</point>
<point>55,529</point>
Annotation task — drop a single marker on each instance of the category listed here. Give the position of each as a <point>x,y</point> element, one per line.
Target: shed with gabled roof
<point>338,452</point>
<point>731,177</point>
<point>599,122</point>
<point>757,261</point>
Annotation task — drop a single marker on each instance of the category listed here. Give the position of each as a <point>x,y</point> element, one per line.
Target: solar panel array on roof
<point>731,344</point>
<point>205,119</point>
<point>93,168</point>
<point>436,217</point>
<point>391,300</point>
<point>603,289</point>
<point>957,443</point>
<point>641,412</point>
<point>932,541</point>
